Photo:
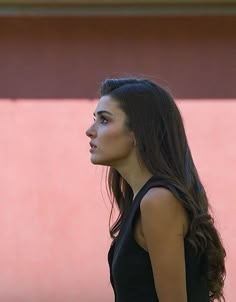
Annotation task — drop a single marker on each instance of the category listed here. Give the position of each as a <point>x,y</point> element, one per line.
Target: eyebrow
<point>101,112</point>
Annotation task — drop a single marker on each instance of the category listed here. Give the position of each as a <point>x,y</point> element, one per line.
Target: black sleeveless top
<point>130,267</point>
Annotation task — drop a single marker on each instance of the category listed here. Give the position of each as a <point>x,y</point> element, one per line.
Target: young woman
<point>165,246</point>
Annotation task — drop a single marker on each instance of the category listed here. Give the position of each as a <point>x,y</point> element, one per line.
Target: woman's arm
<point>164,224</point>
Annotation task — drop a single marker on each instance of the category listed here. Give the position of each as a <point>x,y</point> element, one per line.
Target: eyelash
<point>102,118</point>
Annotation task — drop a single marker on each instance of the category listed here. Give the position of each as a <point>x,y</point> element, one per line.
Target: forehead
<point>107,103</point>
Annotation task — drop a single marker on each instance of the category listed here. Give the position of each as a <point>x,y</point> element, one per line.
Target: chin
<point>97,161</point>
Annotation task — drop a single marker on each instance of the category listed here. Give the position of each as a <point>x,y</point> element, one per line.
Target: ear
<point>133,139</point>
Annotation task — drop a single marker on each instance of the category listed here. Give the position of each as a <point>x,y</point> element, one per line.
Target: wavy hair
<point>156,122</point>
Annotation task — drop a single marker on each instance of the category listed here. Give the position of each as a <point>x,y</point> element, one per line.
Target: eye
<point>103,120</point>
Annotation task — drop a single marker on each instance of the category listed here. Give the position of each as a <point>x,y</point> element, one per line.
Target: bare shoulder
<point>164,224</point>
<point>161,198</point>
<point>160,206</point>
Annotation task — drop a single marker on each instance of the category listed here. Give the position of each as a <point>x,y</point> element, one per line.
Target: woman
<point>165,246</point>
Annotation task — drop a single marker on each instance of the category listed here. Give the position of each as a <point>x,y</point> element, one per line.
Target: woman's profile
<point>165,245</point>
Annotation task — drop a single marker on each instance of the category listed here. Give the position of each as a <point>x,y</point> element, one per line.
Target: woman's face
<point>112,142</point>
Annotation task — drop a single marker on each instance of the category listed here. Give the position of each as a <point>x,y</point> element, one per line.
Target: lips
<point>92,145</point>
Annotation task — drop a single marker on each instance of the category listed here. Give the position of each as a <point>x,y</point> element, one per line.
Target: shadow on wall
<point>64,58</point>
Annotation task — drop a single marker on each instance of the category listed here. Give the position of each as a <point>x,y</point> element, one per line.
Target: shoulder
<point>160,207</point>
<point>160,198</point>
<point>163,224</point>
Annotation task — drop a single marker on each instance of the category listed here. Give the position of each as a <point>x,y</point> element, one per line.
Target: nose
<point>90,132</point>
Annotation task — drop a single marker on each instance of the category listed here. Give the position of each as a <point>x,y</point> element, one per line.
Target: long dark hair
<point>162,146</point>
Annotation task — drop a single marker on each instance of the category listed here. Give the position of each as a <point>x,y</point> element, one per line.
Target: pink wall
<point>52,219</point>
<point>53,216</point>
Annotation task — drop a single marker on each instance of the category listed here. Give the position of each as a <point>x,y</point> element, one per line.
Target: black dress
<point>130,267</point>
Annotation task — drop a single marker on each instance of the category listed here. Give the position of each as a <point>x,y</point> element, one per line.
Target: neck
<point>135,174</point>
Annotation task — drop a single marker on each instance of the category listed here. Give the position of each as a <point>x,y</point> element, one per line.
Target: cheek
<point>115,136</point>
<point>119,140</point>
